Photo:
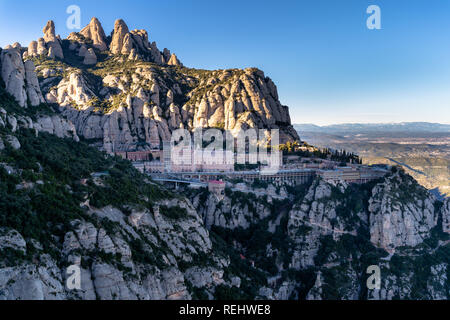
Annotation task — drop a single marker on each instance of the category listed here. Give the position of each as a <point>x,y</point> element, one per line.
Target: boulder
<point>14,142</point>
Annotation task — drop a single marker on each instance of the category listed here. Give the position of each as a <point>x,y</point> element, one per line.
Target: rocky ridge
<point>20,78</point>
<point>333,232</point>
<point>123,93</point>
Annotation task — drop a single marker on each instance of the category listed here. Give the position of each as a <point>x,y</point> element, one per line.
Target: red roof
<point>216,182</point>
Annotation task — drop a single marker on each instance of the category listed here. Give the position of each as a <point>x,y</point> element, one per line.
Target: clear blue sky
<point>329,68</point>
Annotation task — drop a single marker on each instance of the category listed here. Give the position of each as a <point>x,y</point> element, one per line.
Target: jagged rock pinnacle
<point>173,61</point>
<point>94,31</point>
<point>49,31</point>
<point>119,33</point>
<point>51,41</point>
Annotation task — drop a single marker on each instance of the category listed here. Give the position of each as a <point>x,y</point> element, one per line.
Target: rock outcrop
<point>124,277</point>
<point>20,78</point>
<point>316,217</point>
<point>49,45</point>
<point>71,91</point>
<point>232,211</point>
<point>148,102</point>
<point>52,42</point>
<point>89,57</point>
<point>146,105</point>
<point>13,240</point>
<point>13,75</point>
<point>94,31</point>
<point>13,142</point>
<point>34,94</point>
<point>173,61</point>
<point>398,217</point>
<point>446,216</point>
<point>118,36</point>
<point>135,44</point>
<point>52,124</point>
<point>41,47</point>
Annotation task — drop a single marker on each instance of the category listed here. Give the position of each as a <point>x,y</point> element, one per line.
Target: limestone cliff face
<point>20,78</point>
<point>396,215</point>
<point>118,36</point>
<point>330,229</point>
<point>71,92</point>
<point>147,106</point>
<point>122,276</point>
<point>137,95</point>
<point>446,216</point>
<point>52,42</point>
<point>238,99</point>
<point>13,74</point>
<point>237,209</point>
<point>401,213</point>
<point>316,217</point>
<point>21,82</point>
<point>52,124</point>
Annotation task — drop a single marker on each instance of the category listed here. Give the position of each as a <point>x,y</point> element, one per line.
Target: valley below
<point>423,152</point>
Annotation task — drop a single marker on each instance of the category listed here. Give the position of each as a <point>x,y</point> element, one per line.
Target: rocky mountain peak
<point>50,44</point>
<point>94,31</point>
<point>20,78</point>
<point>118,36</point>
<point>173,61</point>
<point>49,31</point>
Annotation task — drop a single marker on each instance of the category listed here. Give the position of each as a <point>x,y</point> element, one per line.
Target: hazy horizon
<point>369,123</point>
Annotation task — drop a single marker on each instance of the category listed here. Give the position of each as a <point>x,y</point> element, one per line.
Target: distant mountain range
<point>375,127</point>
<point>422,148</point>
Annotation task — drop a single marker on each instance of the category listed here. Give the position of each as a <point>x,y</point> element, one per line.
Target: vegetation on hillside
<point>305,150</point>
<point>49,182</point>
